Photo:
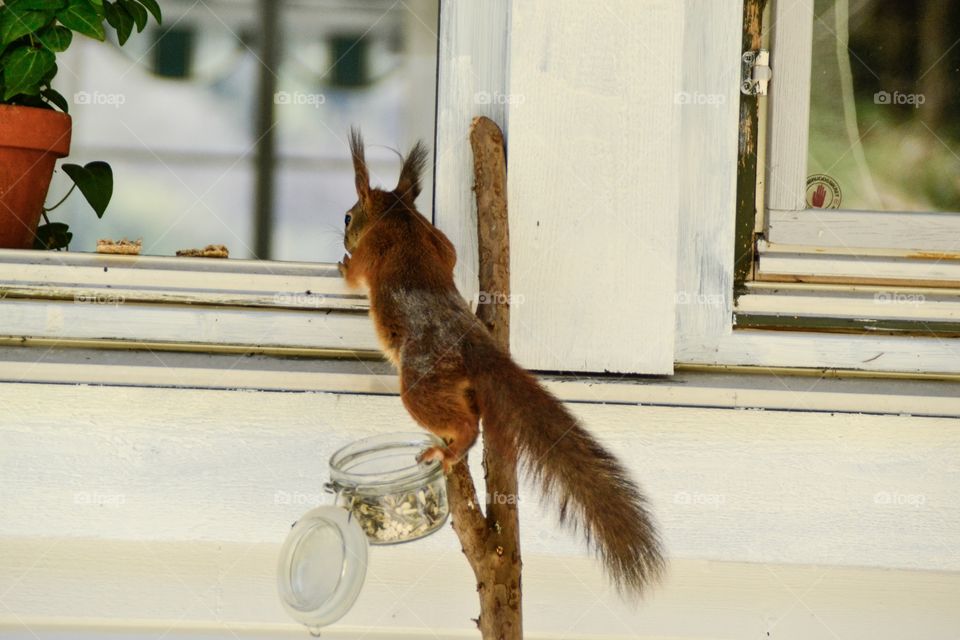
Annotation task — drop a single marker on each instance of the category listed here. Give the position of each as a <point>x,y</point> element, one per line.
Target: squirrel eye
<point>346,219</point>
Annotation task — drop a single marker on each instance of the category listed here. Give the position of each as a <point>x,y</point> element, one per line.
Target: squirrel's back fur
<point>453,375</point>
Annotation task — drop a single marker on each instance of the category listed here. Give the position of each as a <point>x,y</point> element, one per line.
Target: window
<point>861,229</point>
<point>739,284</point>
<point>185,114</point>
<point>81,299</point>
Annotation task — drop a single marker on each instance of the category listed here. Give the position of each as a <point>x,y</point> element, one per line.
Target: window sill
<point>187,304</point>
<point>119,279</point>
<point>815,391</point>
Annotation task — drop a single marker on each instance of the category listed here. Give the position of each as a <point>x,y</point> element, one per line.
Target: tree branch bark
<point>492,542</point>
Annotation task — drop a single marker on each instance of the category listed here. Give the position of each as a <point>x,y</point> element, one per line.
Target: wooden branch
<point>491,543</point>
<point>490,187</point>
<point>500,604</point>
<point>467,517</point>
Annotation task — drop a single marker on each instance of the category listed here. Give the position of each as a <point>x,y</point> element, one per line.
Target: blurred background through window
<point>884,98</point>
<point>179,114</point>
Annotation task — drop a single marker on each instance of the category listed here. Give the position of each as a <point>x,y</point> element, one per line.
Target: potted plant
<point>34,123</point>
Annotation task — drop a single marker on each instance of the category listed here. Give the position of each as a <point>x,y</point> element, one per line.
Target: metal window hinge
<point>755,72</point>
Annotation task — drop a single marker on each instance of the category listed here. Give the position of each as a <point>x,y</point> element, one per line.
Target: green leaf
<point>82,17</point>
<point>49,75</point>
<point>23,70</point>
<point>95,181</point>
<point>16,24</point>
<point>55,97</point>
<point>30,101</point>
<point>120,19</point>
<point>55,38</point>
<point>138,13</point>
<point>36,5</point>
<point>110,13</point>
<point>54,235</point>
<point>153,8</point>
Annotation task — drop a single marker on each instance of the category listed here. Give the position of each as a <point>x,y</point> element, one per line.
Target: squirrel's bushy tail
<point>591,488</point>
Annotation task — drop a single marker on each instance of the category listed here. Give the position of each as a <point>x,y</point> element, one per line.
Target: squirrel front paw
<point>343,265</point>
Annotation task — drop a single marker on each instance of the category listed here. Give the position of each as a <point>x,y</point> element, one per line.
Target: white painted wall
<point>174,517</point>
<point>226,590</point>
<point>763,486</point>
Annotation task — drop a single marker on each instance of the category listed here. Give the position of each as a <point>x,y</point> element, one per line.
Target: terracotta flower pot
<point>31,140</point>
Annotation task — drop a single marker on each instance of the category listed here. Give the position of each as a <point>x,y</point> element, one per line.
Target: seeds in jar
<point>399,516</point>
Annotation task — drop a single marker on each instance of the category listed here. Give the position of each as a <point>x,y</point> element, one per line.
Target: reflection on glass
<point>173,113</point>
<point>885,88</point>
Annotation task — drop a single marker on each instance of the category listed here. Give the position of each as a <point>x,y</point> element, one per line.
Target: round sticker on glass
<point>823,192</point>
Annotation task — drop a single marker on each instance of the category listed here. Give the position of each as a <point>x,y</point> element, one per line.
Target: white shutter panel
<point>594,107</point>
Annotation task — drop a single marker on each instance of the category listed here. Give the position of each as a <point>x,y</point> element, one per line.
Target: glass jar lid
<point>323,563</point>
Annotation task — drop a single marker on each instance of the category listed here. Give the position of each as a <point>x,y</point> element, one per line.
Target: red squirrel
<point>453,375</point>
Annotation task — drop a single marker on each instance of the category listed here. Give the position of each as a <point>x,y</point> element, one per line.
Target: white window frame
<point>252,306</point>
<point>706,308</point>
<point>185,303</point>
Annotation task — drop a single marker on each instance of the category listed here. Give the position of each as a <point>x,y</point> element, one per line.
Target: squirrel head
<point>372,203</point>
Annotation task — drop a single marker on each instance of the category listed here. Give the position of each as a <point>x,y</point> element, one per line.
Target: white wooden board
<point>923,233</point>
<point>96,318</point>
<point>758,486</point>
<point>70,589</point>
<point>593,188</point>
<point>783,263</point>
<point>760,390</point>
<point>112,279</point>
<point>708,170</point>
<point>789,106</point>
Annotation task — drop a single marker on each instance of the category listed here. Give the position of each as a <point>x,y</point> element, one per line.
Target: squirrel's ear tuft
<point>408,187</point>
<point>361,176</point>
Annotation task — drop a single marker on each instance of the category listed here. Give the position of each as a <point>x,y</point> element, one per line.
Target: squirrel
<point>453,375</point>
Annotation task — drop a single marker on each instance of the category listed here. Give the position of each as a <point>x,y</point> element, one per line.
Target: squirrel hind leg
<point>445,410</point>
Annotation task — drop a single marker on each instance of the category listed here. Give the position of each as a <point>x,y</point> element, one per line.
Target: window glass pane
<point>372,65</point>
<point>885,88</point>
<point>177,206</point>
<point>174,114</point>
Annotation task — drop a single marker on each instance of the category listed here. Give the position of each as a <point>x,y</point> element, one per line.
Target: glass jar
<point>392,497</point>
<point>383,496</point>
